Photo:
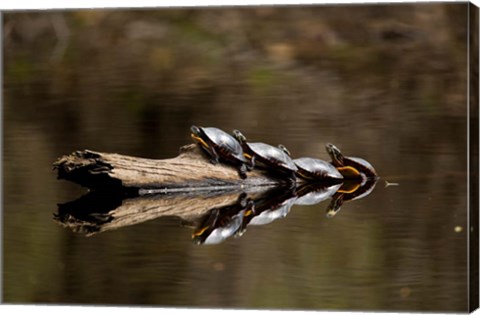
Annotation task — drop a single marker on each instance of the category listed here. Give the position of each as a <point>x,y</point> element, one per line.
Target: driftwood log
<point>127,190</point>
<point>190,171</point>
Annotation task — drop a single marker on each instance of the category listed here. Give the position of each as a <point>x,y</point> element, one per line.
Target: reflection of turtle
<point>221,223</point>
<point>311,194</point>
<point>349,191</point>
<point>270,157</point>
<point>311,169</point>
<point>272,205</point>
<point>278,212</point>
<point>350,167</point>
<point>220,145</point>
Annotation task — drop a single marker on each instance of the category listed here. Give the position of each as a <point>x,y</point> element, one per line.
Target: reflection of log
<point>136,210</point>
<point>191,170</point>
<point>99,212</point>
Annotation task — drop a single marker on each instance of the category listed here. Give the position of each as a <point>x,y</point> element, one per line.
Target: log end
<point>88,169</point>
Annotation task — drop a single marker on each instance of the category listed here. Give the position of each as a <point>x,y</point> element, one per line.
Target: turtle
<point>350,167</point>
<point>223,222</point>
<point>313,193</point>
<point>278,211</point>
<point>272,158</point>
<point>349,191</point>
<point>221,146</point>
<point>311,169</point>
<point>272,205</point>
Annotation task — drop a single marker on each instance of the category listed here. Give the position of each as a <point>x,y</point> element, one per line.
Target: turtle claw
<point>242,171</point>
<point>251,164</point>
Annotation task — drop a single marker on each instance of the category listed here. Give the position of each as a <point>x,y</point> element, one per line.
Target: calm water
<point>391,89</point>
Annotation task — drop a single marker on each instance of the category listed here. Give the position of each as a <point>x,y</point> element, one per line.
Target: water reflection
<point>272,205</point>
<point>349,191</point>
<point>89,212</point>
<point>214,216</point>
<point>221,223</point>
<point>311,194</point>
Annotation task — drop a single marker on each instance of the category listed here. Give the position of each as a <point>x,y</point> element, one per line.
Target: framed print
<point>269,157</point>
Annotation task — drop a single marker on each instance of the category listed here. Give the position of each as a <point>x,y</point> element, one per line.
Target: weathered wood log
<point>190,171</point>
<point>96,212</point>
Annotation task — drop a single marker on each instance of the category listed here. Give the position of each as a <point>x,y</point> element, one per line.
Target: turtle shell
<point>219,234</point>
<point>225,145</point>
<point>313,195</point>
<point>359,192</point>
<point>271,156</point>
<point>361,165</point>
<point>312,169</point>
<point>363,191</point>
<point>223,222</point>
<point>270,215</point>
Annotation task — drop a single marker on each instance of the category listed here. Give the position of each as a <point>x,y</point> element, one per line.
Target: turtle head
<point>197,241</point>
<point>195,130</point>
<point>335,154</point>
<point>239,136</point>
<point>334,206</point>
<point>284,149</point>
<point>198,136</point>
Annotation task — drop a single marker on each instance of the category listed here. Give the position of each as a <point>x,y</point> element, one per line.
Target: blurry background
<point>384,82</point>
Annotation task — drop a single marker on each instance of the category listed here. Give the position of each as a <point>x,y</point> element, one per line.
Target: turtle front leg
<point>251,163</point>
<point>212,153</point>
<point>242,171</point>
<point>214,160</point>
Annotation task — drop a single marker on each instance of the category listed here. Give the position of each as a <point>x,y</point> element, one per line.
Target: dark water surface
<point>386,83</point>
